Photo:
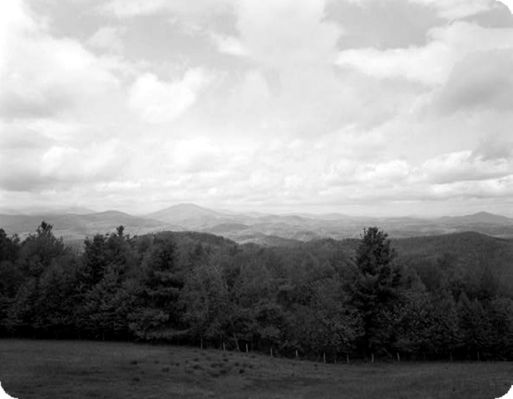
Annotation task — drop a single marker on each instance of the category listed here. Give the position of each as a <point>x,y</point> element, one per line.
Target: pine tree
<point>474,326</point>
<point>159,312</point>
<point>207,304</point>
<point>375,289</point>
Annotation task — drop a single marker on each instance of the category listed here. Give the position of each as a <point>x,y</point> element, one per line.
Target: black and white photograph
<point>256,199</point>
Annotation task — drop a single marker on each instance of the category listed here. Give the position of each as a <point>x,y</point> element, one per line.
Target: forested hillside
<point>432,297</point>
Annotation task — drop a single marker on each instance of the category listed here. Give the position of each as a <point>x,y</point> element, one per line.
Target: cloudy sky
<point>382,107</point>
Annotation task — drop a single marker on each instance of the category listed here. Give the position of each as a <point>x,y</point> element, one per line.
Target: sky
<point>364,107</point>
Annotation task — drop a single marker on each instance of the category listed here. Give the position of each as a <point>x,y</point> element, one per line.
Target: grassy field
<point>74,369</point>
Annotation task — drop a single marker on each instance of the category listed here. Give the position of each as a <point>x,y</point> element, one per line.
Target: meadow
<point>31,369</point>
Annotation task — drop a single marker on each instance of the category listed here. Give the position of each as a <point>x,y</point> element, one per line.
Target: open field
<point>80,369</point>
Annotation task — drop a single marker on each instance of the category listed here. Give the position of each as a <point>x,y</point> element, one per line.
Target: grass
<point>82,369</point>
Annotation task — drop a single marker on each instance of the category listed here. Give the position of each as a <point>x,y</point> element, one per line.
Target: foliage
<point>322,299</point>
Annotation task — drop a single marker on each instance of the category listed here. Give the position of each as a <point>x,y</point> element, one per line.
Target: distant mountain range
<point>265,229</point>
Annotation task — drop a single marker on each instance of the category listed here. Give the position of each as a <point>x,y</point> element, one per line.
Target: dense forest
<point>324,299</point>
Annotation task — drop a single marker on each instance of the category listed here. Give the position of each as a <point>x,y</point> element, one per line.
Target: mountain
<point>266,229</point>
<point>226,228</point>
<point>474,254</point>
<point>477,218</point>
<point>471,254</point>
<point>49,210</point>
<point>75,226</point>
<point>193,216</point>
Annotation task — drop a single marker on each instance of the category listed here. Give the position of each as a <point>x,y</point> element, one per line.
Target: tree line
<point>314,301</point>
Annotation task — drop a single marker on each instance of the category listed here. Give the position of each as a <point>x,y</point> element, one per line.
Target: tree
<point>500,313</point>
<point>207,305</point>
<point>37,253</point>
<point>159,312</point>
<point>375,288</point>
<point>475,327</point>
<point>9,247</point>
<point>325,323</point>
<point>444,333</point>
<point>94,260</point>
<point>106,308</point>
<point>10,275</point>
<point>38,250</point>
<point>108,291</point>
<point>57,299</point>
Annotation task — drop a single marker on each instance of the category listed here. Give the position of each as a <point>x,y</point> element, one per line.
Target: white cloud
<point>107,38</point>
<point>430,64</point>
<point>133,8</point>
<point>479,82</point>
<point>453,9</point>
<point>71,164</point>
<point>410,120</point>
<point>450,9</point>
<point>158,101</point>
<point>41,75</point>
<point>229,45</point>
<point>287,34</point>
<point>465,166</point>
<point>416,64</point>
<point>508,3</point>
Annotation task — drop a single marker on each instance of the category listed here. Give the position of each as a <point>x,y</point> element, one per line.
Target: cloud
<point>286,34</point>
<point>508,3</point>
<point>465,166</point>
<point>430,64</point>
<point>454,9</point>
<point>158,101</point>
<point>382,23</point>
<point>480,81</point>
<point>494,148</point>
<point>134,8</point>
<point>72,165</point>
<point>498,16</point>
<point>134,104</point>
<point>53,166</point>
<point>229,45</point>
<point>107,38</point>
<point>41,75</point>
<point>449,9</point>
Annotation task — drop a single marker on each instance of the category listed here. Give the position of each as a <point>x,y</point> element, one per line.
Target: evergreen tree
<point>107,288</point>
<point>159,311</point>
<point>375,289</point>
<point>475,328</point>
<point>37,253</point>
<point>500,313</point>
<point>94,260</point>
<point>39,249</point>
<point>11,276</point>
<point>444,333</point>
<point>57,299</point>
<point>207,304</point>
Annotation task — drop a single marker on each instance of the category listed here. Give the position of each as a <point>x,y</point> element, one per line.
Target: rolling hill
<point>77,226</point>
<point>265,229</point>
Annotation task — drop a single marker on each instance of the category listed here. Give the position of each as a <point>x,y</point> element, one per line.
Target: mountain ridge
<point>253,226</point>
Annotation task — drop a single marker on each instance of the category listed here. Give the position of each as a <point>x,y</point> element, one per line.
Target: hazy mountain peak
<point>479,217</point>
<point>186,211</point>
